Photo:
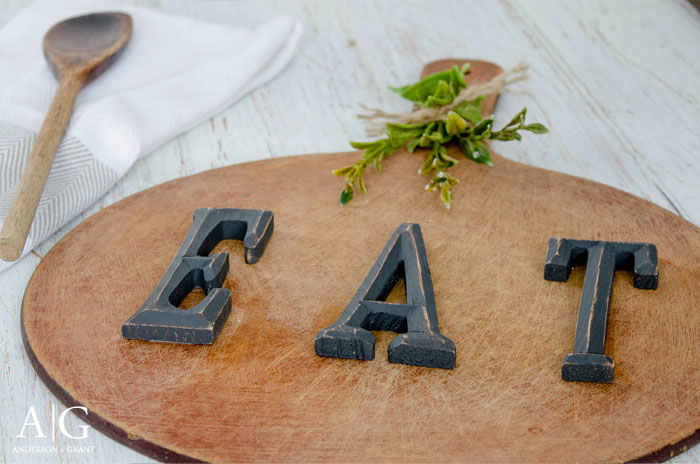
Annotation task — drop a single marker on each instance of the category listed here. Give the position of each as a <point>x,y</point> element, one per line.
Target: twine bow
<point>377,119</point>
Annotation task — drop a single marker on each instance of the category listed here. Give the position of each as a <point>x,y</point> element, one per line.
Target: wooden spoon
<point>77,50</point>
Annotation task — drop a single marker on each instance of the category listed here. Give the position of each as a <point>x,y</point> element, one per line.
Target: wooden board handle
<point>24,204</point>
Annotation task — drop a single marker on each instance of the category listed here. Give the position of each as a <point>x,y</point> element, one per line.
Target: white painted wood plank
<point>615,81</point>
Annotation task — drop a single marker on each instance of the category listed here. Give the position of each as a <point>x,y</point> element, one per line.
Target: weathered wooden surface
<point>614,83</point>
<point>262,382</point>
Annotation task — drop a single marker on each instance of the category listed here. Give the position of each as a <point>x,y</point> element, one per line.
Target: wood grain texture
<point>262,384</point>
<point>610,80</point>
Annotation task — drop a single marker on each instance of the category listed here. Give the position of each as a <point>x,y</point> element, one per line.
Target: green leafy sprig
<point>464,125</point>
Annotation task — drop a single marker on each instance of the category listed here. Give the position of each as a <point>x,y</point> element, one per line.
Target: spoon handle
<point>19,218</point>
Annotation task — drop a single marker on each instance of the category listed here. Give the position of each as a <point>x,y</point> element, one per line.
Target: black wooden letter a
<point>420,342</point>
<point>160,319</point>
<point>588,362</point>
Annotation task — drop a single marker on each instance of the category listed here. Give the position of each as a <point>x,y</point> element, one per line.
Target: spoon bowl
<point>88,43</point>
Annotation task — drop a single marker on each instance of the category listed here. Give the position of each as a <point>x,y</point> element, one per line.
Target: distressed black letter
<point>159,319</point>
<point>588,362</point>
<point>420,342</point>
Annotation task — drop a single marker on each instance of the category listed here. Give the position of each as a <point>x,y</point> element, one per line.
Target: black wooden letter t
<point>160,319</point>
<point>420,342</point>
<point>588,362</point>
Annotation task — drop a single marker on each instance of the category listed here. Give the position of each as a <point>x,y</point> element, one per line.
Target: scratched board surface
<point>261,393</point>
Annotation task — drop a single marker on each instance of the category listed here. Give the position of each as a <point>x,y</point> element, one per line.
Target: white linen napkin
<point>174,73</point>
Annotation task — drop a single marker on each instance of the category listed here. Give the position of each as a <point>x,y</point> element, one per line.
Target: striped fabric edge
<point>77,179</point>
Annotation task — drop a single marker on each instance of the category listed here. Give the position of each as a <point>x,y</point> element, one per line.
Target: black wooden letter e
<point>420,342</point>
<point>160,319</point>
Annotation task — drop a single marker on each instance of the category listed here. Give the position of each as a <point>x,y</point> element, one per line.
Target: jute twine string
<point>377,119</point>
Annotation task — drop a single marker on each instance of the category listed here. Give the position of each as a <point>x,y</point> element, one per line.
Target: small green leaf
<point>443,95</point>
<point>427,164</point>
<point>342,171</point>
<point>447,159</point>
<point>432,185</point>
<point>446,194</point>
<point>434,136</point>
<point>405,129</point>
<point>399,134</point>
<point>364,145</point>
<point>484,154</point>
<point>455,123</point>
<point>437,132</point>
<point>536,128</point>
<point>435,90</point>
<point>411,147</point>
<point>466,146</point>
<point>424,141</point>
<point>518,119</point>
<point>471,109</point>
<point>483,128</point>
<point>346,195</point>
<point>503,136</point>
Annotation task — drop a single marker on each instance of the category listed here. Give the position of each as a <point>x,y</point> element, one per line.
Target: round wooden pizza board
<point>260,393</point>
